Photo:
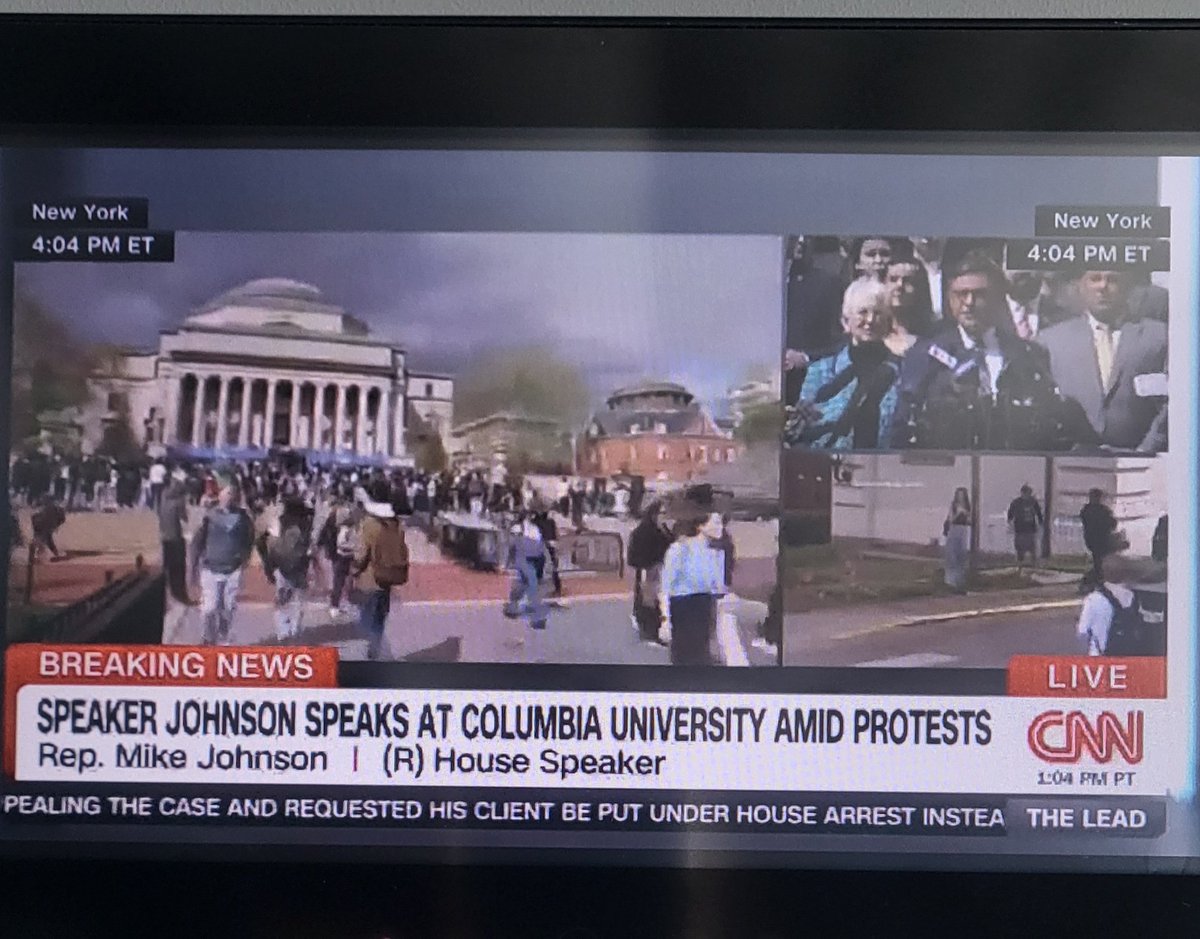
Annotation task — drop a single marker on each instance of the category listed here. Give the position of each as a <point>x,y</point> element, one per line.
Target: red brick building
<point>657,431</point>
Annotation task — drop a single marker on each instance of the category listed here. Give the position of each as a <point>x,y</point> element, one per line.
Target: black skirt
<point>693,620</point>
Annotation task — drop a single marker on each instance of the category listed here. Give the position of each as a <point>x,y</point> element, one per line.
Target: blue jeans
<point>527,584</point>
<point>372,616</point>
<point>218,602</point>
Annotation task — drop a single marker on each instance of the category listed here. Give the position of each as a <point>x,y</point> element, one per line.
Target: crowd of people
<point>316,529</point>
<point>896,343</point>
<point>99,483</point>
<point>92,483</point>
<point>315,526</point>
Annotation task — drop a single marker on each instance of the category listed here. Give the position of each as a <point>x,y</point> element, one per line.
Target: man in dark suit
<point>814,306</point>
<point>976,385</point>
<point>1096,359</point>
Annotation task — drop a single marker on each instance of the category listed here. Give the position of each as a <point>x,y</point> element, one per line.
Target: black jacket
<point>648,544</point>
<point>941,404</point>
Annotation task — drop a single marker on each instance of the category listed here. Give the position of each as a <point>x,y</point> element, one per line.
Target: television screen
<point>641,496</point>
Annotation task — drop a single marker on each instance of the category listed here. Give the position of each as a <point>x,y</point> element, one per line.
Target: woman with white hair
<point>847,399</point>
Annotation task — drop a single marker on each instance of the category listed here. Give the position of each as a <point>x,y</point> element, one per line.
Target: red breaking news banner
<point>1082,676</point>
<point>34,664</point>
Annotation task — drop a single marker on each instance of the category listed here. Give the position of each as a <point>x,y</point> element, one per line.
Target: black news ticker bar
<point>625,810</point>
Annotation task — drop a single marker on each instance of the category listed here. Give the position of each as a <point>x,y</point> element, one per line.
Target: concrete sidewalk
<point>853,621</point>
<point>595,630</point>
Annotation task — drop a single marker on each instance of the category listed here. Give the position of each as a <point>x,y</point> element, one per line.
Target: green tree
<point>118,439</point>
<point>529,381</point>
<point>50,368</point>
<point>429,453</point>
<point>761,423</point>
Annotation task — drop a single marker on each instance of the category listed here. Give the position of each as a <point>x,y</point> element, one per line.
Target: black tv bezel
<point>221,81</point>
<point>200,75</point>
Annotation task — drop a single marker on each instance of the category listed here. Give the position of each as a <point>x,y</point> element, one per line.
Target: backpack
<point>346,542</point>
<point>389,560</point>
<point>289,553</point>
<point>1025,515</point>
<point>1129,633</point>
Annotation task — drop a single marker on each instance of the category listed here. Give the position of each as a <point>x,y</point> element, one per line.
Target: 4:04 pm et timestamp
<point>95,246</point>
<point>1058,254</point>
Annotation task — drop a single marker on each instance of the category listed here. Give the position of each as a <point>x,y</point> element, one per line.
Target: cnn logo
<point>1069,736</point>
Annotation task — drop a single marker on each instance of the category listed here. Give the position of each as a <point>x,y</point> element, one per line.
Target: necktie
<point>985,376</point>
<point>1024,324</point>
<point>1104,354</point>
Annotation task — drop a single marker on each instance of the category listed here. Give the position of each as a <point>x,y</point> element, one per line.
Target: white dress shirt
<point>991,355</point>
<point>1027,310</point>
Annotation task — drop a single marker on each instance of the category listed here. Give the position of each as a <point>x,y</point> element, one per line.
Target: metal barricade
<point>600,551</point>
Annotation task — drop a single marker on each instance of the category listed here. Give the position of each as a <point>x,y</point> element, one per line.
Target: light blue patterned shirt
<point>693,566</point>
<point>820,373</point>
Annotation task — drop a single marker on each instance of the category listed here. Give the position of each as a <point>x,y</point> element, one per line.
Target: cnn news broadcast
<point>662,505</point>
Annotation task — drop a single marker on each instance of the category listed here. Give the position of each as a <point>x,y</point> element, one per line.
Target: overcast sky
<point>699,309</point>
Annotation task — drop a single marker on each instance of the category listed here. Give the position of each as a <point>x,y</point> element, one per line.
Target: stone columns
<point>383,430</point>
<point>360,425</point>
<point>339,419</point>
<point>222,412</point>
<point>314,421</point>
<point>174,398</point>
<point>322,418</point>
<point>294,416</point>
<point>269,416</point>
<point>399,444</point>
<point>244,426</point>
<point>198,413</point>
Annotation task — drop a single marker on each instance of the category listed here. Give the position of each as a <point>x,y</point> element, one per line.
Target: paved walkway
<point>446,612</point>
<point>593,630</point>
<point>849,621</point>
<point>979,630</point>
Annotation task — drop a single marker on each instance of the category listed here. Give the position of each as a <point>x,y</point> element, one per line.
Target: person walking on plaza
<point>648,543</point>
<point>1112,601</point>
<point>577,497</point>
<point>1025,519</point>
<point>957,531</point>
<point>549,529</point>
<point>48,518</point>
<point>527,557</point>
<point>728,647</point>
<point>158,483</point>
<point>381,561</point>
<point>172,516</point>
<point>289,560</point>
<point>1099,529</point>
<point>341,555</point>
<point>693,580</point>
<point>220,552</point>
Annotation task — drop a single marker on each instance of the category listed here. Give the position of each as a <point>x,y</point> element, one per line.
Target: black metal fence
<point>126,609</point>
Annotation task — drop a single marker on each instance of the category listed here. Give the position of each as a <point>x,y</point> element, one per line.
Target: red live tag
<point>1086,676</point>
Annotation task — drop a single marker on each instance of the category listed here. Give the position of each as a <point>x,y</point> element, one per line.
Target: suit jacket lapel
<point>1131,334</point>
<point>1086,344</point>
